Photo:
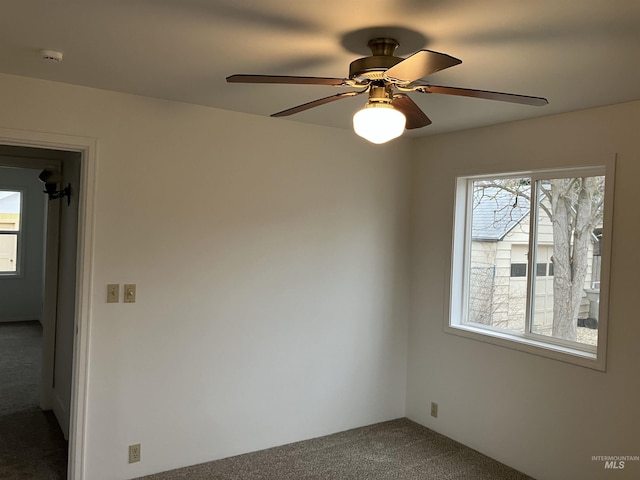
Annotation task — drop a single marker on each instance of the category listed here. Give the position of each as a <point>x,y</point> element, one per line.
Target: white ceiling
<point>576,53</point>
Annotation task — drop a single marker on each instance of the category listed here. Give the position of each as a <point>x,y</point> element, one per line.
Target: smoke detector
<point>51,56</point>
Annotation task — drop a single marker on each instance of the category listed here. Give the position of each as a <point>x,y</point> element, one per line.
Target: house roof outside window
<point>496,212</point>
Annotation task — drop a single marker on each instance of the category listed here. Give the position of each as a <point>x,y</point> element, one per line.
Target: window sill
<point>534,346</point>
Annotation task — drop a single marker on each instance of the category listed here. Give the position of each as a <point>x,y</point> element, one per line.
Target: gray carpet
<point>399,450</point>
<point>20,360</point>
<point>32,446</point>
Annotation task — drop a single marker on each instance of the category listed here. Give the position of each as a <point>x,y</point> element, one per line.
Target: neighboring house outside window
<point>505,272</point>
<point>500,232</point>
<point>10,231</point>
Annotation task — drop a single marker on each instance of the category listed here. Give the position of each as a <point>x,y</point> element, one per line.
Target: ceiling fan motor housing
<point>373,67</point>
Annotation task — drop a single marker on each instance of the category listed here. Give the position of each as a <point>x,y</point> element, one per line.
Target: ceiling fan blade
<point>419,65</point>
<point>289,80</point>
<point>316,103</point>
<point>467,92</point>
<point>416,118</point>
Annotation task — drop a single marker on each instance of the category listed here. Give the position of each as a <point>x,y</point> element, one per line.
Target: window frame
<point>18,233</point>
<point>457,304</point>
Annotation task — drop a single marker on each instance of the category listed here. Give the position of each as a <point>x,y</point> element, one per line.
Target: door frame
<point>87,147</point>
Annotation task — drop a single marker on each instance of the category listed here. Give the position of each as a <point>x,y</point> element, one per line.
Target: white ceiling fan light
<point>379,122</point>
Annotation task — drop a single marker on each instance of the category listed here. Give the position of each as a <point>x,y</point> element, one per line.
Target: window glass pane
<point>541,270</point>
<point>497,283</point>
<point>8,252</point>
<point>570,215</point>
<point>518,269</point>
<point>10,204</point>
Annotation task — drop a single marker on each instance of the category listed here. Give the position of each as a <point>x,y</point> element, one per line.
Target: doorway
<point>38,315</point>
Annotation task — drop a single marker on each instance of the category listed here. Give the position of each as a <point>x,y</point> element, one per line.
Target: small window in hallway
<point>10,231</point>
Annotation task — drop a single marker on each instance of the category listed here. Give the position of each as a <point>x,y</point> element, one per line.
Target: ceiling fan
<point>387,79</point>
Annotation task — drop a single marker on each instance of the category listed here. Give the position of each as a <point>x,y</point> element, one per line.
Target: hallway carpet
<point>20,359</point>
<point>32,446</point>
<point>399,450</point>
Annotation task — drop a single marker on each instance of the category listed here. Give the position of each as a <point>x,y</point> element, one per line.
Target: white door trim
<point>86,196</point>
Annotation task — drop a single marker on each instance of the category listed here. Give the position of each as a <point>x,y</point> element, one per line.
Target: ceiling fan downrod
<point>379,92</point>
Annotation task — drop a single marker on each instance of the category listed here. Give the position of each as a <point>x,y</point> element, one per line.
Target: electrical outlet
<point>434,409</point>
<point>134,453</point>
<point>130,293</point>
<point>113,293</point>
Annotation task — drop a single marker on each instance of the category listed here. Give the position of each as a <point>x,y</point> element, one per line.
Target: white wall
<point>21,296</point>
<point>543,417</point>
<point>270,308</point>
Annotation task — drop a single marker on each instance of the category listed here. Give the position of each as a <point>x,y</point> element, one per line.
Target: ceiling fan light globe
<point>379,123</point>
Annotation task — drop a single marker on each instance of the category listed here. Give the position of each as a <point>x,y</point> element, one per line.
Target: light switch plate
<point>129,293</point>
<point>113,293</point>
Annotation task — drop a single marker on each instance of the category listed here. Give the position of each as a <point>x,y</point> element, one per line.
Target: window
<point>10,231</point>
<point>528,262</point>
<point>518,269</point>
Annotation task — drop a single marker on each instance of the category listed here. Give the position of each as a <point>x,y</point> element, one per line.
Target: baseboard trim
<point>19,319</point>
